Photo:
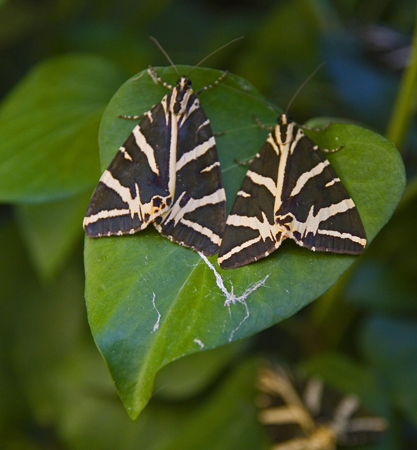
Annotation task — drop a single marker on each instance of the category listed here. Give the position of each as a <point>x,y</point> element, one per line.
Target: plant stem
<point>404,104</point>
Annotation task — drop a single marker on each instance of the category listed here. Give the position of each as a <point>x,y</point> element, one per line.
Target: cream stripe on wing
<point>207,122</point>
<point>265,228</point>
<point>207,169</point>
<point>124,193</point>
<point>125,153</point>
<point>332,182</point>
<point>340,235</point>
<point>202,230</point>
<point>187,114</point>
<point>146,149</point>
<point>264,181</point>
<point>177,212</point>
<point>105,214</point>
<point>195,153</point>
<point>238,248</point>
<point>286,414</point>
<point>312,223</point>
<point>302,180</point>
<point>273,144</point>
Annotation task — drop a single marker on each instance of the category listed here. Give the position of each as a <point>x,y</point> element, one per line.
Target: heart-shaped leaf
<point>151,301</point>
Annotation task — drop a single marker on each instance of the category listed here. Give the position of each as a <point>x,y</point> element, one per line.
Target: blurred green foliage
<point>61,63</point>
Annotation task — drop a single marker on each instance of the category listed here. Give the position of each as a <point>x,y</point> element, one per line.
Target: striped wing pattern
<point>305,414</point>
<point>198,214</point>
<point>251,232</point>
<point>134,189</point>
<point>290,191</point>
<point>167,172</point>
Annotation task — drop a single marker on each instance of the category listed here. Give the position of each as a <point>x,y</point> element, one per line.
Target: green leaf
<point>390,345</point>
<point>222,420</point>
<point>47,326</point>
<point>48,128</point>
<point>51,231</point>
<point>375,286</point>
<point>201,369</point>
<point>227,420</point>
<point>13,263</point>
<point>38,327</point>
<point>135,283</point>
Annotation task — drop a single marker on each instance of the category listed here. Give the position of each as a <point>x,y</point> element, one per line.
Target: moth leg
<point>260,124</point>
<point>244,163</point>
<point>218,133</point>
<point>157,79</point>
<point>332,150</point>
<point>210,86</point>
<point>305,127</point>
<point>124,116</point>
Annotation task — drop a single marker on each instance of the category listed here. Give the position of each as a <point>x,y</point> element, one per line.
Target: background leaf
<point>202,368</point>
<point>48,128</point>
<point>389,344</point>
<point>125,275</point>
<point>52,230</point>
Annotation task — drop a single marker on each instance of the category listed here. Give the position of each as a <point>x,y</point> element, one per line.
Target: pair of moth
<point>167,172</point>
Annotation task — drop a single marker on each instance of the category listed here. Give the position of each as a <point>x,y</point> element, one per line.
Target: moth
<point>167,172</point>
<point>305,414</point>
<point>290,191</point>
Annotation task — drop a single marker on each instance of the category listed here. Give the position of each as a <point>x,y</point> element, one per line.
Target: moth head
<point>283,119</point>
<point>181,95</point>
<point>183,83</point>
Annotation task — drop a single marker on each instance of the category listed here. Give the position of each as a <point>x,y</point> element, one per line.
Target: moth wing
<point>282,410</point>
<point>304,413</point>
<point>316,211</point>
<point>362,429</point>
<point>343,413</point>
<point>134,189</point>
<point>197,216</point>
<point>251,232</point>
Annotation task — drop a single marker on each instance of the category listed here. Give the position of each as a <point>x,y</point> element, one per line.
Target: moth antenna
<point>165,54</point>
<point>215,51</point>
<point>303,84</point>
